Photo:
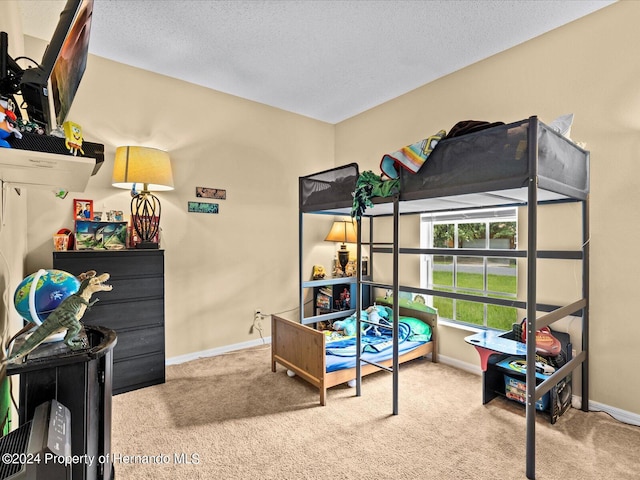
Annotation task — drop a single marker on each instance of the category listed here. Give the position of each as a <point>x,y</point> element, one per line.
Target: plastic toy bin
<point>516,389</point>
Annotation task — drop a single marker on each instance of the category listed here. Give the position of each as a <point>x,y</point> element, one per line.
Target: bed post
<point>532,254</point>
<point>358,305</point>
<point>585,311</point>
<point>300,246</point>
<point>396,299</point>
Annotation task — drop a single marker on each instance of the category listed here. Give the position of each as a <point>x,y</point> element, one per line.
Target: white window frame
<point>486,215</point>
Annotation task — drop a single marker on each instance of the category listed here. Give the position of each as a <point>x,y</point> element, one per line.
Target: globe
<point>51,288</point>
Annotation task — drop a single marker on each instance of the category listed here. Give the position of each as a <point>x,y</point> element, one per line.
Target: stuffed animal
<point>374,316</point>
<point>375,313</point>
<point>347,326</point>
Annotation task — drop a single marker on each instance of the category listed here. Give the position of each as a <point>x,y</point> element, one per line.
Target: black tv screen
<point>49,89</point>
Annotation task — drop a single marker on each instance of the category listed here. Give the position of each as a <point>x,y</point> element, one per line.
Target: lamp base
<point>145,218</point>
<point>343,259</point>
<point>147,246</point>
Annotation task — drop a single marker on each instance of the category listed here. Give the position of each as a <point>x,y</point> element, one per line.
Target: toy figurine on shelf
<point>7,123</point>
<point>318,272</point>
<point>73,137</point>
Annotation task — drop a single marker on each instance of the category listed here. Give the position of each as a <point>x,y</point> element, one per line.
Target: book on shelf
<point>326,291</point>
<point>323,301</point>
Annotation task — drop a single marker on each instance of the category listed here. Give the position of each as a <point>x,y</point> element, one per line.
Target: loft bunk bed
<point>524,163</point>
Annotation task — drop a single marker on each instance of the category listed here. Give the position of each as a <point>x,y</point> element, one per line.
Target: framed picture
<point>101,235</point>
<point>202,207</point>
<point>82,209</point>
<point>206,192</point>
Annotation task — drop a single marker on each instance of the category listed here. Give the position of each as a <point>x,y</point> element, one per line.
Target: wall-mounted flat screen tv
<point>49,89</point>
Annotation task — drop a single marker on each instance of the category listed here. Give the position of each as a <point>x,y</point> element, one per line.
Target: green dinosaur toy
<point>67,316</point>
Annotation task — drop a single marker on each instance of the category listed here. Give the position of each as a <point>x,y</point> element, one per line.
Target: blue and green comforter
<point>341,352</point>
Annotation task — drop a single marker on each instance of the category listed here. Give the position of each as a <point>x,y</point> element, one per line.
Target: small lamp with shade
<point>151,168</point>
<point>342,231</point>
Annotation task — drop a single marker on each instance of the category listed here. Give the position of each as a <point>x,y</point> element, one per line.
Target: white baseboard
<point>460,365</point>
<point>217,351</point>
<point>617,413</point>
<point>576,401</point>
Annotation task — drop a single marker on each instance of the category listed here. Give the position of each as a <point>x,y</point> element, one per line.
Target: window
<point>477,275</point>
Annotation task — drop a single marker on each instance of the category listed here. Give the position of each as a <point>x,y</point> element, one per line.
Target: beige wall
<point>220,267</point>
<point>590,68</point>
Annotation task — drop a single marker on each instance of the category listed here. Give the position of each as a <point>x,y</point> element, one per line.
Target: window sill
<point>462,326</point>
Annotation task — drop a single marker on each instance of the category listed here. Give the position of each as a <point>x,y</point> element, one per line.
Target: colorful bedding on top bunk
<point>377,341</point>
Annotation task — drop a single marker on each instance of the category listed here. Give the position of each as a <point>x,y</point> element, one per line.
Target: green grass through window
<point>472,312</point>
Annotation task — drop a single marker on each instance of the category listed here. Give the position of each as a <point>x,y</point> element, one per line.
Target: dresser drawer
<point>118,263</point>
<point>131,288</point>
<point>130,313</point>
<point>141,341</point>
<point>138,372</point>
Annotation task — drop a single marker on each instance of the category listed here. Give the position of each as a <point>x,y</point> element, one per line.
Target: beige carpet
<point>232,418</point>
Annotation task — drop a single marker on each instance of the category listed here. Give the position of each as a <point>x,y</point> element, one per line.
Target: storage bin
<point>516,389</point>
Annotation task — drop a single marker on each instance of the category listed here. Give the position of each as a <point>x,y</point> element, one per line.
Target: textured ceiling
<point>325,59</point>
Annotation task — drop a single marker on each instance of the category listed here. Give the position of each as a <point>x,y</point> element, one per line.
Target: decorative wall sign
<point>203,207</point>
<point>206,192</point>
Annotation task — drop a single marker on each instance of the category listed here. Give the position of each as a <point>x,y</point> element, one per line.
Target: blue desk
<point>489,342</point>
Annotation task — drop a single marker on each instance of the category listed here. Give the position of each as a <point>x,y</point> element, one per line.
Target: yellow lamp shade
<point>144,165</point>
<point>343,231</point>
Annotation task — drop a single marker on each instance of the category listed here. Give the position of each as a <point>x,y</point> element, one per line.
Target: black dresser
<point>134,309</point>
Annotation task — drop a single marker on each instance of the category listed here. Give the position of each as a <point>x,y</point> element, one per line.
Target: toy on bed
<point>346,326</point>
<point>376,320</point>
<point>377,337</point>
<point>375,313</point>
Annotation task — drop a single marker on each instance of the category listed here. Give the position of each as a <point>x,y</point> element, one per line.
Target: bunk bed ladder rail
<point>395,368</point>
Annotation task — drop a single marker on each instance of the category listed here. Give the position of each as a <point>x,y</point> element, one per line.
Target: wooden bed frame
<point>301,349</point>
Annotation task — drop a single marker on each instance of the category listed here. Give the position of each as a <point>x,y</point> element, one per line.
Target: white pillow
<point>562,124</point>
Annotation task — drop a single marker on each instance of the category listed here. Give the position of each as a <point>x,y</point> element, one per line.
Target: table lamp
<point>342,231</point>
<point>151,168</point>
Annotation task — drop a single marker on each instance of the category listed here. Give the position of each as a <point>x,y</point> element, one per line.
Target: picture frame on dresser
<point>82,209</point>
<point>93,235</point>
